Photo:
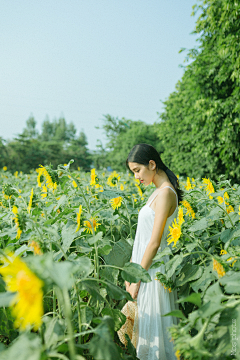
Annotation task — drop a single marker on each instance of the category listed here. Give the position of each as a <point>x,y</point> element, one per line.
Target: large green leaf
<point>92,288</point>
<point>116,292</point>
<point>231,282</point>
<point>68,235</point>
<point>118,317</point>
<point>192,298</point>
<point>199,225</point>
<point>204,281</point>
<point>26,347</point>
<point>188,273</point>
<point>133,273</point>
<point>54,330</point>
<point>120,254</point>
<point>102,346</point>
<point>176,313</point>
<point>82,266</point>
<point>172,264</point>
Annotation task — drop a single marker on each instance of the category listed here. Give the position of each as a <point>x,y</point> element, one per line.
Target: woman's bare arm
<point>162,210</point>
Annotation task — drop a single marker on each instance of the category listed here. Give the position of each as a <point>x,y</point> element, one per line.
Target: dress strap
<point>160,190</point>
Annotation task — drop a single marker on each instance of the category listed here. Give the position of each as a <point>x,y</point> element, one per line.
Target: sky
<point>83,59</point>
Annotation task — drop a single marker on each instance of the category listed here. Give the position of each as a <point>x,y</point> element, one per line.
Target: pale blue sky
<point>86,58</point>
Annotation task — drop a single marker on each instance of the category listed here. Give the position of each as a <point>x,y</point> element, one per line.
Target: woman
<point>154,219</point>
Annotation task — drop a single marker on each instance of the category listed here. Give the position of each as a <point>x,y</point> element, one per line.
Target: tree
<point>199,127</point>
<point>30,130</point>
<point>122,135</point>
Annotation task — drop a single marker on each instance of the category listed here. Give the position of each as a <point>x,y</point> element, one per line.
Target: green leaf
<point>105,250</point>
<point>102,346</point>
<point>115,292</point>
<point>68,235</point>
<point>93,239</point>
<point>55,329</point>
<point>110,194</point>
<point>172,264</point>
<point>193,298</point>
<point>6,298</point>
<point>118,317</point>
<point>82,267</point>
<point>176,313</point>
<point>133,273</point>
<point>26,347</point>
<point>86,316</point>
<point>188,273</point>
<point>120,254</point>
<point>92,288</point>
<point>204,281</point>
<point>160,254</point>
<point>199,225</point>
<point>231,281</point>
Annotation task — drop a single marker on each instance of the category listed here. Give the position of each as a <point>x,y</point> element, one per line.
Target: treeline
<point>56,144</point>
<point>198,133</point>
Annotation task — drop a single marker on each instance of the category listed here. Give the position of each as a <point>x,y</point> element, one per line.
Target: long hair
<point>143,153</point>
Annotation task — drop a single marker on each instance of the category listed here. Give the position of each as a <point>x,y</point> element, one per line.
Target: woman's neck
<point>160,178</point>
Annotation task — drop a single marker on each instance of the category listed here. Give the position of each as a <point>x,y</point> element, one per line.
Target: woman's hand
<point>133,289</point>
<point>127,284</point>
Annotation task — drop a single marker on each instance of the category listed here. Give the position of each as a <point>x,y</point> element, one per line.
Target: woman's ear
<point>152,165</point>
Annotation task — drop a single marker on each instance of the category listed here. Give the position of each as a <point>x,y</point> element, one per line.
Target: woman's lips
<point>141,181</point>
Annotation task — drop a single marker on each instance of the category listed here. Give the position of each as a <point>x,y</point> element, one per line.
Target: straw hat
<point>129,328</point>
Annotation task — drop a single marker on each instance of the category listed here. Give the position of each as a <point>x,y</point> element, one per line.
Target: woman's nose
<point>136,176</point>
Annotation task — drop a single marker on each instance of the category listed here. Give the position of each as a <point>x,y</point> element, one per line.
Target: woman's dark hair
<point>143,153</point>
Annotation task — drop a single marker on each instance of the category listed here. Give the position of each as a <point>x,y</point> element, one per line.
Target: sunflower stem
<point>68,316</point>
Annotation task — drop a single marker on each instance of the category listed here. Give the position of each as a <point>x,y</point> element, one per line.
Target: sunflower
<point>222,200</point>
<point>113,179</point>
<point>121,187</point>
<point>27,303</point>
<point>180,216</point>
<point>90,224</point>
<point>16,219</point>
<point>74,184</point>
<point>174,233</point>
<point>223,252</point>
<point>219,268</point>
<point>44,191</point>
<point>36,247</point>
<point>230,209</point>
<point>79,217</point>
<point>99,187</point>
<point>5,168</point>
<point>190,211</point>
<point>208,187</point>
<point>116,202</point>
<point>49,182</point>
<point>178,355</point>
<point>139,190</point>
<point>188,186</point>
<point>30,201</point>
<point>93,177</point>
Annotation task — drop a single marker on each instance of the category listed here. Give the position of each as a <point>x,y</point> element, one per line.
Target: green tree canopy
<point>56,144</point>
<point>199,127</point>
<point>122,135</point>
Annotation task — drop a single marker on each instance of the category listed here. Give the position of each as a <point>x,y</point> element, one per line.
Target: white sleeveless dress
<point>153,340</point>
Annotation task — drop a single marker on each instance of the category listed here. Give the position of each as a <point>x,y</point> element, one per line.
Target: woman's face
<point>143,173</point>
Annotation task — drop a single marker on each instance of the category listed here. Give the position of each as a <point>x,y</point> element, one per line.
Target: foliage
<point>79,246</point>
<point>122,135</point>
<point>199,127</point>
<point>81,254</point>
<point>206,263</point>
<point>57,141</point>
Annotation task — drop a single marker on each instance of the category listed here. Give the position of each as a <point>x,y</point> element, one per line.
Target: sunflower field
<point>66,242</point>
